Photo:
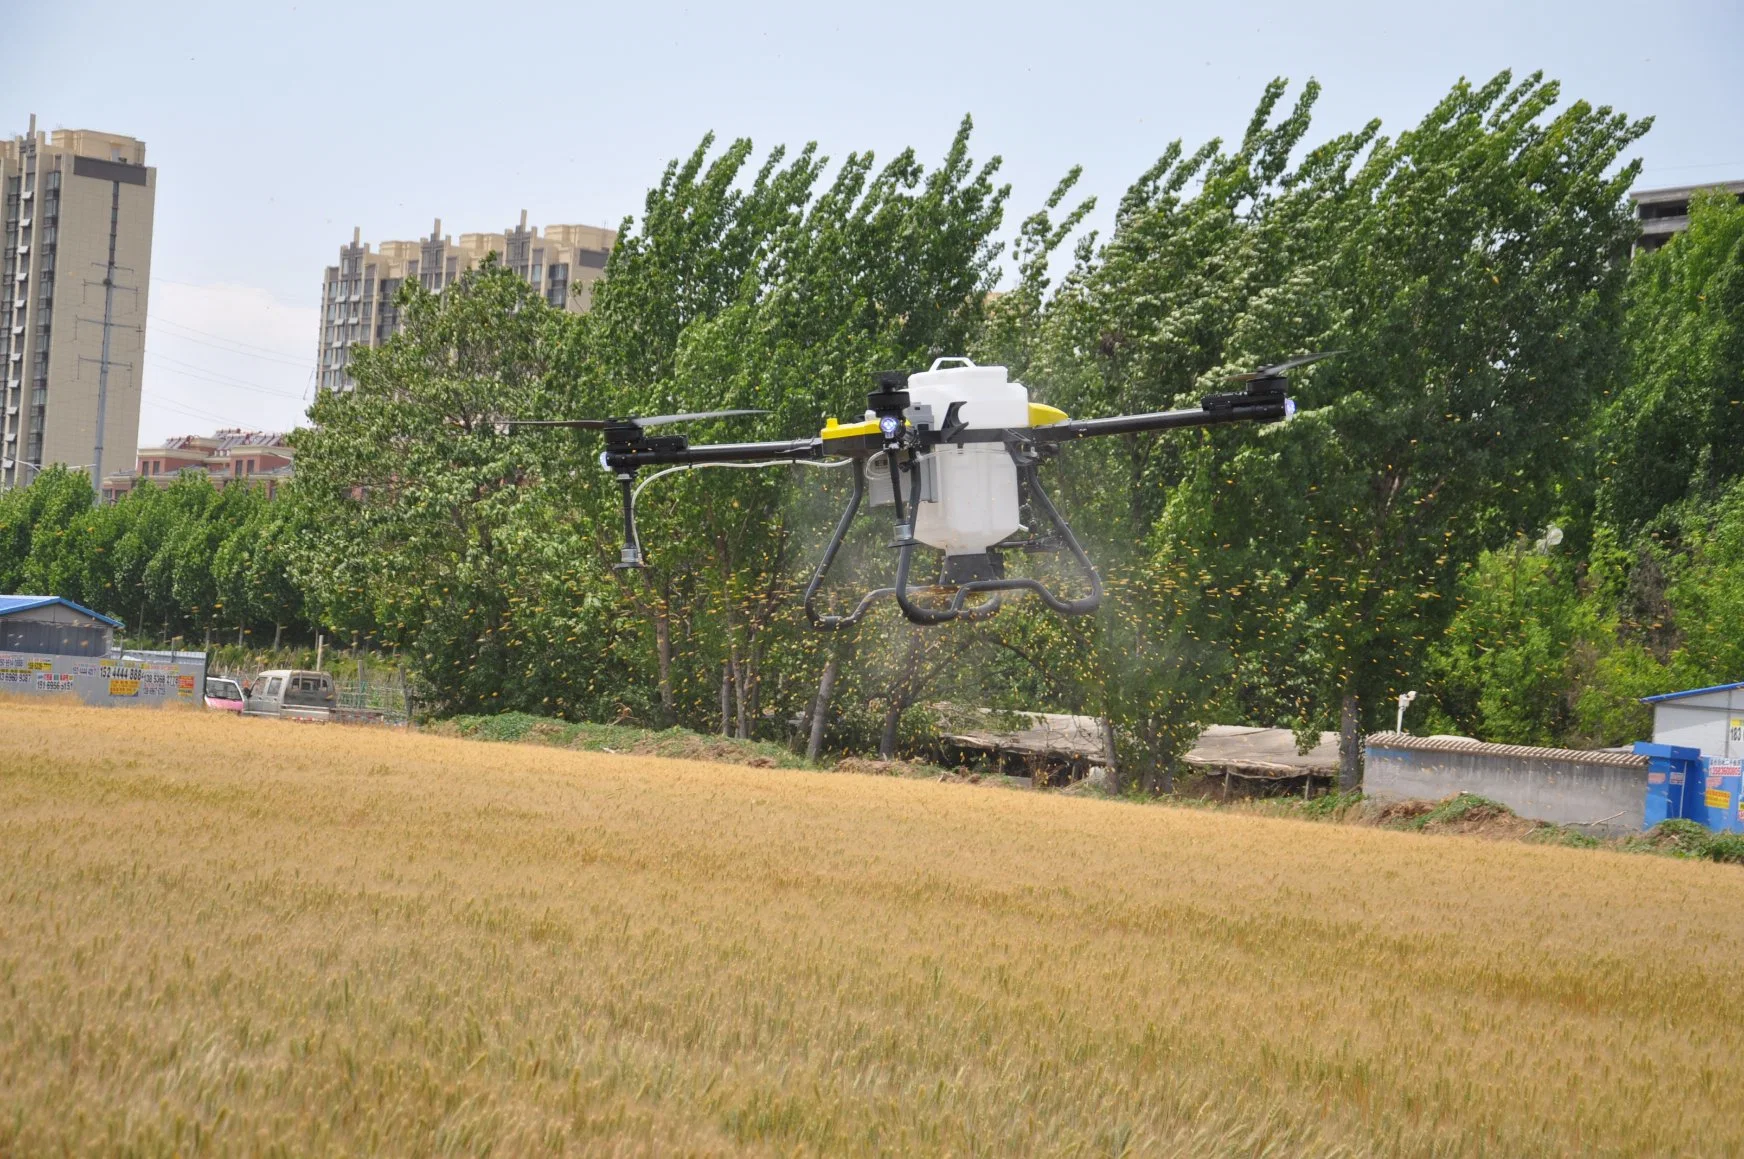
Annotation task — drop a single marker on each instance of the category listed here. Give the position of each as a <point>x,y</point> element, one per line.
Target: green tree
<point>784,295</point>
<point>1675,432</point>
<point>252,567</point>
<point>430,528</point>
<point>1505,669</point>
<point>43,528</point>
<point>1476,285</point>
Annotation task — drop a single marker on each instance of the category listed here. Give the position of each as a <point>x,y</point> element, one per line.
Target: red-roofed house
<point>231,455</point>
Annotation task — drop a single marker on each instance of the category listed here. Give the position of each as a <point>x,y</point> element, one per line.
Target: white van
<point>292,693</point>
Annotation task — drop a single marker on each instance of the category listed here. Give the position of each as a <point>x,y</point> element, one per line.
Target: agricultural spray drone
<point>953,451</point>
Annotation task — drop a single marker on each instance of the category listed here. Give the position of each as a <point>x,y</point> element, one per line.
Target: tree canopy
<point>1503,365</point>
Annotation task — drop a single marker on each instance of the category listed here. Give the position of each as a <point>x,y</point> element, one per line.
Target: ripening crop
<point>222,935</point>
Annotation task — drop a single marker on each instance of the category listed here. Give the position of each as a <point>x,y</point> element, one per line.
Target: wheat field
<point>246,936</point>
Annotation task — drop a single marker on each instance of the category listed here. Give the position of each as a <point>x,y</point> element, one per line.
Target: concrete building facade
<point>1664,213</point>
<point>357,295</point>
<point>77,211</point>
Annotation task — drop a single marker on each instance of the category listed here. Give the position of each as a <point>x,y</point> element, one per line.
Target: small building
<point>53,646</point>
<point>51,626</point>
<point>1263,759</point>
<point>1049,747</point>
<point>233,455</point>
<point>1710,720</point>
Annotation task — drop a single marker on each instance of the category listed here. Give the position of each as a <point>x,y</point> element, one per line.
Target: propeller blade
<point>1280,368</point>
<point>573,424</point>
<point>507,426</point>
<point>696,416</point>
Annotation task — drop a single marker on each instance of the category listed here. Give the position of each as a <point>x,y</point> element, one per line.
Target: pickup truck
<point>293,694</point>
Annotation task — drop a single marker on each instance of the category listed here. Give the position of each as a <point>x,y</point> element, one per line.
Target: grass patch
<point>1563,835</point>
<point>1468,813</point>
<point>676,743</point>
<point>1682,838</point>
<point>1728,847</point>
<point>1333,806</point>
<point>1462,808</point>
<point>1674,838</point>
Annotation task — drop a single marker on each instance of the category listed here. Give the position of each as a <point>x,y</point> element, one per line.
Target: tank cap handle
<point>938,362</point>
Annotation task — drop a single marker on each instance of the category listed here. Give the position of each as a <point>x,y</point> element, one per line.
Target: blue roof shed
<point>11,604</point>
<point>52,626</point>
<point>1710,719</point>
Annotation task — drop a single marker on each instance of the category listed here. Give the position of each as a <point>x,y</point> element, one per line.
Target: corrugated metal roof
<point>1690,692</point>
<point>10,604</point>
<point>1450,744</point>
<point>1034,734</point>
<point>1267,751</point>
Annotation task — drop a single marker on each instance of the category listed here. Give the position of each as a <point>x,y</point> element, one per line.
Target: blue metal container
<point>1674,779</point>
<point>1717,801</point>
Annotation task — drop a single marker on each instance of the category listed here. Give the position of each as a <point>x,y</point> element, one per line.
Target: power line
<point>192,412</point>
<point>1701,165</point>
<point>222,337</point>
<point>197,376</point>
<point>206,373</point>
<point>300,364</point>
<point>252,351</point>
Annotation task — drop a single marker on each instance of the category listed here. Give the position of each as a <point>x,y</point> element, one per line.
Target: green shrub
<point>1332,806</point>
<point>1725,847</point>
<point>1677,836</point>
<point>1563,835</point>
<point>1462,807</point>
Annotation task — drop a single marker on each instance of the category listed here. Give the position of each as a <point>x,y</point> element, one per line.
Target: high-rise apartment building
<point>357,295</point>
<point>73,277</point>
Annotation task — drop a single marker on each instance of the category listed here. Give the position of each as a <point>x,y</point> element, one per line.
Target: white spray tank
<point>973,498</point>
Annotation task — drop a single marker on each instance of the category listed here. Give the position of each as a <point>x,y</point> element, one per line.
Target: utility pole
<point>108,324</point>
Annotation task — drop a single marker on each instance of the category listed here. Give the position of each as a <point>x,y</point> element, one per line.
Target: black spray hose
<point>831,623</point>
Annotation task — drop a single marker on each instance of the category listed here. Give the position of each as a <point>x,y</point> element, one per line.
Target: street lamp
<point>1552,538</point>
<point>37,469</point>
<point>1405,699</point>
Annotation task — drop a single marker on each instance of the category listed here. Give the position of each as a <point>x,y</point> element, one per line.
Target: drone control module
<point>953,452</point>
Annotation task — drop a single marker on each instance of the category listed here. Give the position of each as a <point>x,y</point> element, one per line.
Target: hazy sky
<point>277,127</point>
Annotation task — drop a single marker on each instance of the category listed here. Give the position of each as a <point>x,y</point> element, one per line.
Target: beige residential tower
<point>357,295</point>
<point>76,227</point>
